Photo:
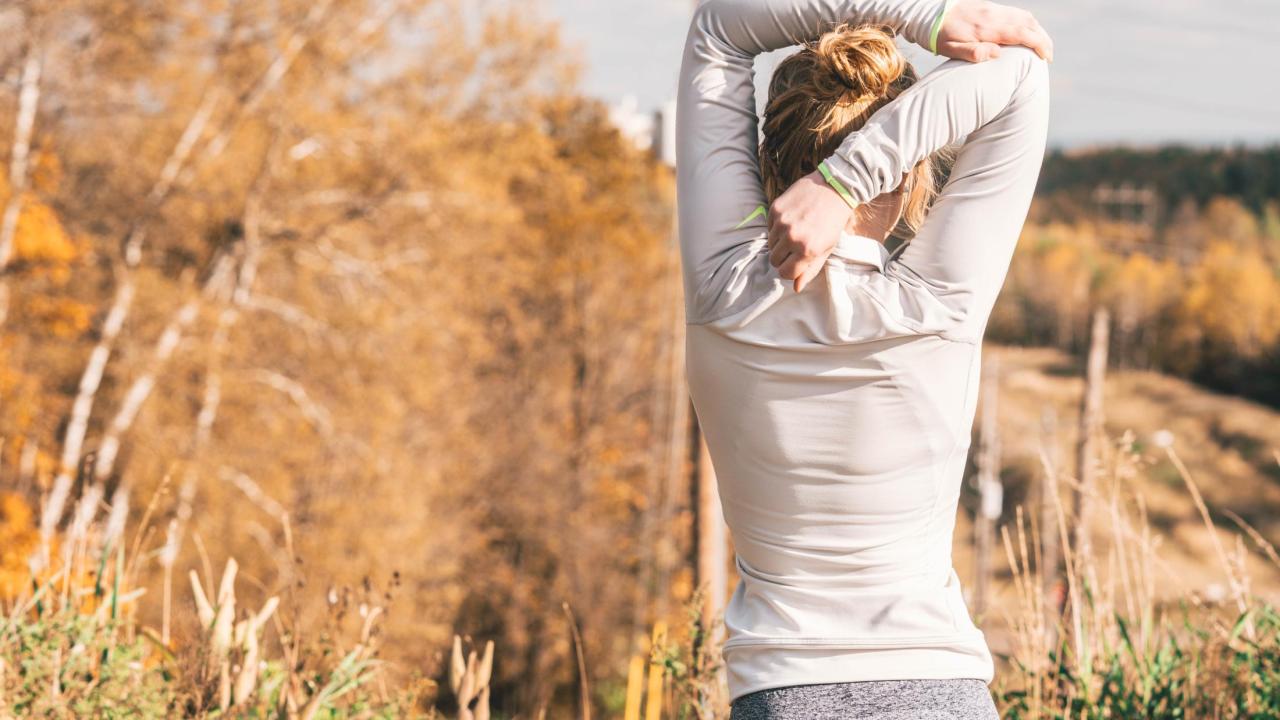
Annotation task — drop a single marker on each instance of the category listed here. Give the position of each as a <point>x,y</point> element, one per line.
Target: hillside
<point>1227,443</point>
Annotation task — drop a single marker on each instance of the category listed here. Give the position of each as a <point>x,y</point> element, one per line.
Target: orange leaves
<point>58,316</point>
<point>1233,298</point>
<point>45,171</point>
<point>19,538</point>
<point>41,237</point>
<point>41,241</point>
<point>1203,290</point>
<point>1139,287</point>
<point>44,254</point>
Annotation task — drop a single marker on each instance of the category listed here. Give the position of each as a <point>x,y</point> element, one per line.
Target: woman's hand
<point>804,226</point>
<point>974,30</point>
<point>806,220</point>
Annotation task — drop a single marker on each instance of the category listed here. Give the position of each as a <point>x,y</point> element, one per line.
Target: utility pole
<point>681,409</point>
<point>1050,550</point>
<point>1136,209</point>
<point>670,420</point>
<point>1090,429</point>
<point>1135,206</point>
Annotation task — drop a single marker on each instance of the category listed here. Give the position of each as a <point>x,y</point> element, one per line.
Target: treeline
<point>1181,243</point>
<point>1200,299</point>
<point>1178,173</point>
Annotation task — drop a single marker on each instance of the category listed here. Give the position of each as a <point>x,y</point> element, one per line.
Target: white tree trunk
<point>82,407</point>
<point>141,388</point>
<point>212,397</point>
<point>28,99</point>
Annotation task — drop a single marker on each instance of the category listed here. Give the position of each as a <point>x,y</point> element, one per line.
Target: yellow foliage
<point>46,171</point>
<point>40,237</point>
<point>1233,298</point>
<point>1228,220</point>
<point>21,391</point>
<point>19,539</point>
<point>60,317</point>
<point>1140,287</point>
<point>1061,275</point>
<point>682,584</point>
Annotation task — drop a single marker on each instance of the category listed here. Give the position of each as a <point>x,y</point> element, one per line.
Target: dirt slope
<point>1227,443</point>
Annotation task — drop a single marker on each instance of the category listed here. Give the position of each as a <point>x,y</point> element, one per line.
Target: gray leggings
<point>961,699</point>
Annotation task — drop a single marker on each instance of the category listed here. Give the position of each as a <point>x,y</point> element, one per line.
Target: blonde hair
<point>824,92</point>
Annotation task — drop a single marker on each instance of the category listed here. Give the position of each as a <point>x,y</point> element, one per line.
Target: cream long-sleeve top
<point>838,418</point>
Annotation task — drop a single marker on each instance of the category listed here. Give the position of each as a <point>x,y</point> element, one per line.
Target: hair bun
<point>861,61</point>
<point>828,89</point>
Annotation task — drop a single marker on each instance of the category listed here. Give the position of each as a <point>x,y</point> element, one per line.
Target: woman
<point>835,382</point>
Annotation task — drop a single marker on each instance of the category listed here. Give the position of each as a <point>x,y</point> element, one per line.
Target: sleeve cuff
<point>839,187</point>
<point>937,25</point>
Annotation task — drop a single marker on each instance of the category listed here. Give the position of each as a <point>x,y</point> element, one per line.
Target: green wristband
<point>937,26</point>
<point>833,182</point>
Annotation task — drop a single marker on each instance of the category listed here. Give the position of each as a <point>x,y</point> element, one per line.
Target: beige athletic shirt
<point>838,418</point>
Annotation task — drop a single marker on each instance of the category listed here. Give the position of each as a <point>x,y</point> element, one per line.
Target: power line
<point>1217,110</point>
<point>1214,28</point>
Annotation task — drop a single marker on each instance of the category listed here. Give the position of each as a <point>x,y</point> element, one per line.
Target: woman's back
<point>838,418</point>
<point>839,472</point>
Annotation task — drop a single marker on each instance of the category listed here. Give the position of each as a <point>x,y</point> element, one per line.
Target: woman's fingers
<point>791,259</point>
<point>1032,36</point>
<point>801,270</point>
<point>781,249</point>
<point>808,274</point>
<point>1044,43</point>
<point>973,25</point>
<point>972,51</point>
<point>792,267</point>
<point>805,220</point>
<point>780,245</point>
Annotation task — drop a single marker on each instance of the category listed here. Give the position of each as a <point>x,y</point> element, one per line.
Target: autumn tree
<point>366,279</point>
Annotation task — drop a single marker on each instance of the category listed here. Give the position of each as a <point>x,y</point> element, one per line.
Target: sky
<point>1135,72</point>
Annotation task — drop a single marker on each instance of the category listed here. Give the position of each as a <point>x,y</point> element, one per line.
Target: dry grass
<point>72,645</point>
<point>1168,615</point>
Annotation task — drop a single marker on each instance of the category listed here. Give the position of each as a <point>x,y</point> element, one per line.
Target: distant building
<point>654,131</point>
<point>664,140</point>
<point>636,126</point>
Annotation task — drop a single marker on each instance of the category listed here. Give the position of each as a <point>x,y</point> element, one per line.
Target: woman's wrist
<point>837,185</point>
<point>937,25</point>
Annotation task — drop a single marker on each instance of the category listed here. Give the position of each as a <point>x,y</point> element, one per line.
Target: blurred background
<point>339,338</point>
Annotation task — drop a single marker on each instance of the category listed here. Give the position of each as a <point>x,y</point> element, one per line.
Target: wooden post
<point>653,706</point>
<point>990,491</point>
<point>679,460</point>
<point>1050,551</point>
<point>635,688</point>
<point>1090,428</point>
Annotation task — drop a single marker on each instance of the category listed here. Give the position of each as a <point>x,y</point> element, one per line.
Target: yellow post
<point>635,688</point>
<point>653,709</point>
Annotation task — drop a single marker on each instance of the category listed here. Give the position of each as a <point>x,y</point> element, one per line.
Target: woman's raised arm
<point>1000,108</point>
<point>716,137</point>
